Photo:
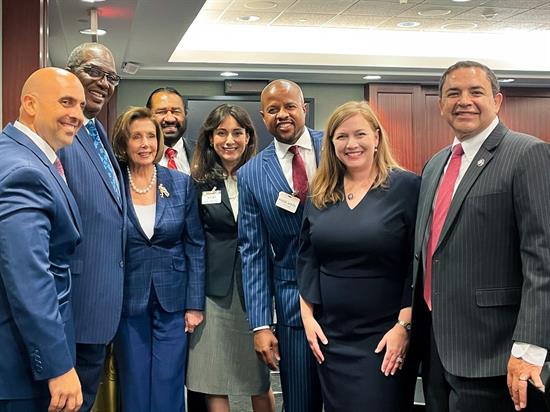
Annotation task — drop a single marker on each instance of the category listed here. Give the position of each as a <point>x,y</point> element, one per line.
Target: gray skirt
<point>222,360</point>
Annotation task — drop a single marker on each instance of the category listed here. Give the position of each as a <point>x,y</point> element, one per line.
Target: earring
<point>375,149</point>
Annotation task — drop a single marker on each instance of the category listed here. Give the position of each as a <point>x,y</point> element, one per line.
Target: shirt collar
<point>471,146</point>
<point>178,146</point>
<point>304,142</point>
<point>86,121</point>
<point>37,140</point>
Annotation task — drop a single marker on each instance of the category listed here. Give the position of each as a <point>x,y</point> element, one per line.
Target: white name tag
<point>212,197</point>
<point>288,202</point>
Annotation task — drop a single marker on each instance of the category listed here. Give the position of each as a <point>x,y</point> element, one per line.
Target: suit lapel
<point>225,198</point>
<point>272,168</point>
<point>164,178</point>
<point>480,162</point>
<point>130,209</point>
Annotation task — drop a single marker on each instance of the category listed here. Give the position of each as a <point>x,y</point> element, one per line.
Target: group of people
<point>178,250</point>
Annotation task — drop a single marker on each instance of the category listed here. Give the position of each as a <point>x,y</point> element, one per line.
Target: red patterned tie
<point>299,175</point>
<point>440,210</point>
<point>59,167</point>
<point>171,155</point>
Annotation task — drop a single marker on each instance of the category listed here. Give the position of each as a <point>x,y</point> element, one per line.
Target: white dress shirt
<point>37,140</point>
<point>305,147</point>
<point>182,162</point>
<point>529,353</point>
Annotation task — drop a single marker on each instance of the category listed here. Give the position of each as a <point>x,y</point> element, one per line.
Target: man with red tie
<point>169,109</point>
<point>482,261</point>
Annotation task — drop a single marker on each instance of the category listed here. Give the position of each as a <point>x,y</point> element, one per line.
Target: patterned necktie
<point>299,175</point>
<point>440,210</point>
<point>103,156</point>
<point>171,155</point>
<point>59,167</point>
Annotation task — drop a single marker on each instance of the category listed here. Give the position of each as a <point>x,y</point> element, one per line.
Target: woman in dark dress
<point>354,264</point>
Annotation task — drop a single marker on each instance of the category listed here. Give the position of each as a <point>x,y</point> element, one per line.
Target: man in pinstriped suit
<point>483,315</point>
<point>268,236</point>
<point>94,177</point>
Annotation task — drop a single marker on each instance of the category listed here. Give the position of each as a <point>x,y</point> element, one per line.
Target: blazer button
<point>416,256</point>
<point>121,263</point>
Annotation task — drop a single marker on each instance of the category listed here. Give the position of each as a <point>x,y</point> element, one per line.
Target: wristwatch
<point>406,325</point>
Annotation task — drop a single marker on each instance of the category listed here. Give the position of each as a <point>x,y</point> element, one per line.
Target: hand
<point>267,348</point>
<point>396,342</point>
<point>314,334</point>
<point>519,373</point>
<point>66,392</point>
<point>193,318</point>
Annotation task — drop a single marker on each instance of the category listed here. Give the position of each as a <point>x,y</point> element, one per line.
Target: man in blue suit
<point>272,190</point>
<point>94,177</point>
<point>39,230</point>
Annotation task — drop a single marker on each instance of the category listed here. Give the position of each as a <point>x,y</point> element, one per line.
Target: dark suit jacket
<point>223,261</point>
<point>491,268</point>
<point>172,261</point>
<point>98,263</point>
<point>269,239</point>
<point>39,230</point>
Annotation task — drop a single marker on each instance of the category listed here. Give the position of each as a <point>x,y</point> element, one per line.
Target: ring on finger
<point>523,378</point>
<point>399,359</point>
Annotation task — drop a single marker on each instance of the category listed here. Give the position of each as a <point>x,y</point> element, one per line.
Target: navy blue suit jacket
<point>269,239</point>
<point>39,229</point>
<point>173,259</point>
<point>98,263</point>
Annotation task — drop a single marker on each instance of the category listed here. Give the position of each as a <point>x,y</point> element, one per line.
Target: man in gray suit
<point>482,250</point>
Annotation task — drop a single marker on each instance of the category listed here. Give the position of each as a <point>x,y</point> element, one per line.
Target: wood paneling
<point>527,111</point>
<point>24,49</point>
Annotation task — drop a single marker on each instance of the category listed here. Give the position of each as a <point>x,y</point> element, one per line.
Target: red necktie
<point>299,175</point>
<point>171,155</point>
<point>440,210</point>
<point>59,167</point>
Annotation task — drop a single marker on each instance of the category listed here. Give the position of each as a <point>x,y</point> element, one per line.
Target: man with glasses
<point>95,179</point>
<point>169,109</point>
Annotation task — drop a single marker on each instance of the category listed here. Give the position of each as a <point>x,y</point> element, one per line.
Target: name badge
<point>211,197</point>
<point>287,202</point>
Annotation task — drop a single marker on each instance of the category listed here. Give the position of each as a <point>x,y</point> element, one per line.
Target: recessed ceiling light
<point>229,74</point>
<point>408,24</point>
<point>461,1</point>
<point>372,77</point>
<point>90,32</point>
<point>302,20</point>
<point>434,12</point>
<point>260,5</point>
<point>248,18</point>
<point>506,80</point>
<point>459,26</point>
<point>92,1</point>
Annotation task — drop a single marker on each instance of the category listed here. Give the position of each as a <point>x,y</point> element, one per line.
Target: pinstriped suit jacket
<point>491,268</point>
<point>269,240</point>
<point>98,263</point>
<point>172,261</point>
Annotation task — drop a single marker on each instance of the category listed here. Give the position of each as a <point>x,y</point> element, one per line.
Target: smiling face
<point>467,101</point>
<point>229,141</point>
<point>169,110</point>
<point>354,143</point>
<point>283,111</point>
<point>142,143</point>
<point>98,90</point>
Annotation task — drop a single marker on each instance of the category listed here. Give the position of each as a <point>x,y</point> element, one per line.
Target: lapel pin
<point>481,162</point>
<point>163,192</point>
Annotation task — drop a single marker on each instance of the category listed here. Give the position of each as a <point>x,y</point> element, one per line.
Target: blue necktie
<point>92,130</point>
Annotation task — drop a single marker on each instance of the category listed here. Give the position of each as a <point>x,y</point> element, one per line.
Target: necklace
<point>149,186</point>
<point>370,182</point>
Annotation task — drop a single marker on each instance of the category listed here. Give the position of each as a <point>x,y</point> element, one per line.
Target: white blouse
<point>146,216</point>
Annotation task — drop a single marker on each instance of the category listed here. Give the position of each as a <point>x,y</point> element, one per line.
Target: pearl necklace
<point>149,186</point>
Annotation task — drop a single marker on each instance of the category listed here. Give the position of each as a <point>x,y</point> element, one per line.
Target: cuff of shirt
<point>529,353</point>
<point>261,328</point>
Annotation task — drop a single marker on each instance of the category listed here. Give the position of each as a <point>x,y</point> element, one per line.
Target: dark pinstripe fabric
<point>268,237</point>
<point>172,261</point>
<point>491,268</point>
<point>97,264</point>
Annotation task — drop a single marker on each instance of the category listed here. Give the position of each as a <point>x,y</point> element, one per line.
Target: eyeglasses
<point>97,73</point>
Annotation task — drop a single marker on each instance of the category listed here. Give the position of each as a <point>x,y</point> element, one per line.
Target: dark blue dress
<point>354,266</point>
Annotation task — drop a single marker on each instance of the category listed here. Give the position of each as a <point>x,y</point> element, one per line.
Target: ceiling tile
<point>525,4</point>
<point>535,16</point>
<point>321,7</point>
<point>498,13</point>
<point>545,6</point>
<point>434,10</point>
<point>356,22</point>
<point>232,17</point>
<point>302,19</point>
<point>425,24</point>
<point>378,8</point>
<point>473,3</point>
<point>216,4</point>
<point>259,6</point>
<point>514,26</point>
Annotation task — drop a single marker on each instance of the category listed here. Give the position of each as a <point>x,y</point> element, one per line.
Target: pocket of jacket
<point>498,296</point>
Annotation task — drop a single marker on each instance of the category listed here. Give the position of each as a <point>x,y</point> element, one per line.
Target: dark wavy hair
<point>206,166</point>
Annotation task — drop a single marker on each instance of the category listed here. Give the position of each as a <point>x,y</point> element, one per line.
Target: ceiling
<point>313,41</point>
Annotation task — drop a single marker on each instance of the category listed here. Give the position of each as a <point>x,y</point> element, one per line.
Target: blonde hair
<point>326,187</point>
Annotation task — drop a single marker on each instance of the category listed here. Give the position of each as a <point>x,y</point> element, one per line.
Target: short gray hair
<point>76,58</point>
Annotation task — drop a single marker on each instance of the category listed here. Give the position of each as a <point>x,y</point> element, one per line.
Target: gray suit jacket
<point>491,268</point>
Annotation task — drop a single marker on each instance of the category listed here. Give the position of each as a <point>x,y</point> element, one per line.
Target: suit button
<point>121,263</point>
<point>416,256</point>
